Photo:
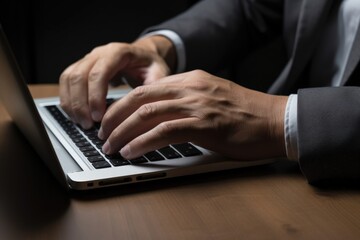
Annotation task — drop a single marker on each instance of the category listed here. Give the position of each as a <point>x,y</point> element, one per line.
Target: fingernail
<point>96,116</point>
<point>106,148</point>
<point>101,134</point>
<point>125,152</point>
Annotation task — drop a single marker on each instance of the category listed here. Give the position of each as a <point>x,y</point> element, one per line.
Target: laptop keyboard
<point>90,145</point>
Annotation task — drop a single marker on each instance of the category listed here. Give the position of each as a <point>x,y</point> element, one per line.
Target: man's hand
<point>200,108</point>
<point>84,84</point>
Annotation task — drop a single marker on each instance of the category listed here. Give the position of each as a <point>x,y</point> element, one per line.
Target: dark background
<point>47,36</point>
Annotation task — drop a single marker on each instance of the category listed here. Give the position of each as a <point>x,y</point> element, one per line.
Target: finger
<point>101,74</point>
<point>171,132</point>
<point>64,90</point>
<point>144,119</point>
<point>78,88</point>
<point>127,105</point>
<point>99,78</point>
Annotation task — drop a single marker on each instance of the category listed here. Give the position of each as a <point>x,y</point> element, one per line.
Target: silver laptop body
<point>68,163</point>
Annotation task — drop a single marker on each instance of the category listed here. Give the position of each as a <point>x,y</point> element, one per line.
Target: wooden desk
<point>266,202</point>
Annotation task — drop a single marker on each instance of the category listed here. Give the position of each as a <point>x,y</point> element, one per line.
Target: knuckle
<point>197,80</point>
<point>197,72</point>
<point>165,129</point>
<point>112,45</point>
<point>64,77</point>
<point>117,47</point>
<point>138,92</point>
<point>66,72</point>
<point>88,55</point>
<point>94,76</point>
<point>78,108</point>
<point>97,49</point>
<point>76,77</point>
<point>147,111</point>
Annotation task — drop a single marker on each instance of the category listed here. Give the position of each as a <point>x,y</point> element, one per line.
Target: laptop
<point>74,155</point>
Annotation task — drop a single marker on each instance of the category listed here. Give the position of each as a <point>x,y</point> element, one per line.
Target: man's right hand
<point>84,84</point>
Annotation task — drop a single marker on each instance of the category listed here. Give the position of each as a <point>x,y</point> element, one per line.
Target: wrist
<point>161,46</point>
<point>276,127</point>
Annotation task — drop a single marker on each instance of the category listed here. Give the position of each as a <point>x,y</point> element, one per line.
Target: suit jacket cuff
<point>329,133</point>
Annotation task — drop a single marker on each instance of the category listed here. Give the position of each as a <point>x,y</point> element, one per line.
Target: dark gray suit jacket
<point>217,33</point>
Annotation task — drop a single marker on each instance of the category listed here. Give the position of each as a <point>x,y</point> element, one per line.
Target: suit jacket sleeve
<point>329,133</point>
<point>214,32</point>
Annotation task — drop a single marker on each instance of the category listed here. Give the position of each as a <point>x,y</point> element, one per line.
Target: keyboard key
<point>71,131</point>
<point>90,131</point>
<point>77,140</point>
<point>66,124</point>
<point>138,160</point>
<point>98,142</point>
<point>119,162</point>
<point>76,135</point>
<point>187,149</point>
<point>169,152</point>
<point>101,164</point>
<point>87,148</point>
<point>154,156</point>
<point>92,136</point>
<point>97,158</point>
<point>83,144</point>
<point>114,156</point>
<point>91,153</point>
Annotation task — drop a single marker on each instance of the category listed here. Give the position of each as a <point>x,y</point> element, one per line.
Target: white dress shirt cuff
<point>291,128</point>
<point>179,46</point>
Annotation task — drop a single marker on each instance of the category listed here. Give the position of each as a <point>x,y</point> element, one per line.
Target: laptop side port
<point>115,181</point>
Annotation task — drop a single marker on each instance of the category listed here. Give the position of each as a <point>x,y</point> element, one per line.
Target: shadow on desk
<point>30,197</point>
